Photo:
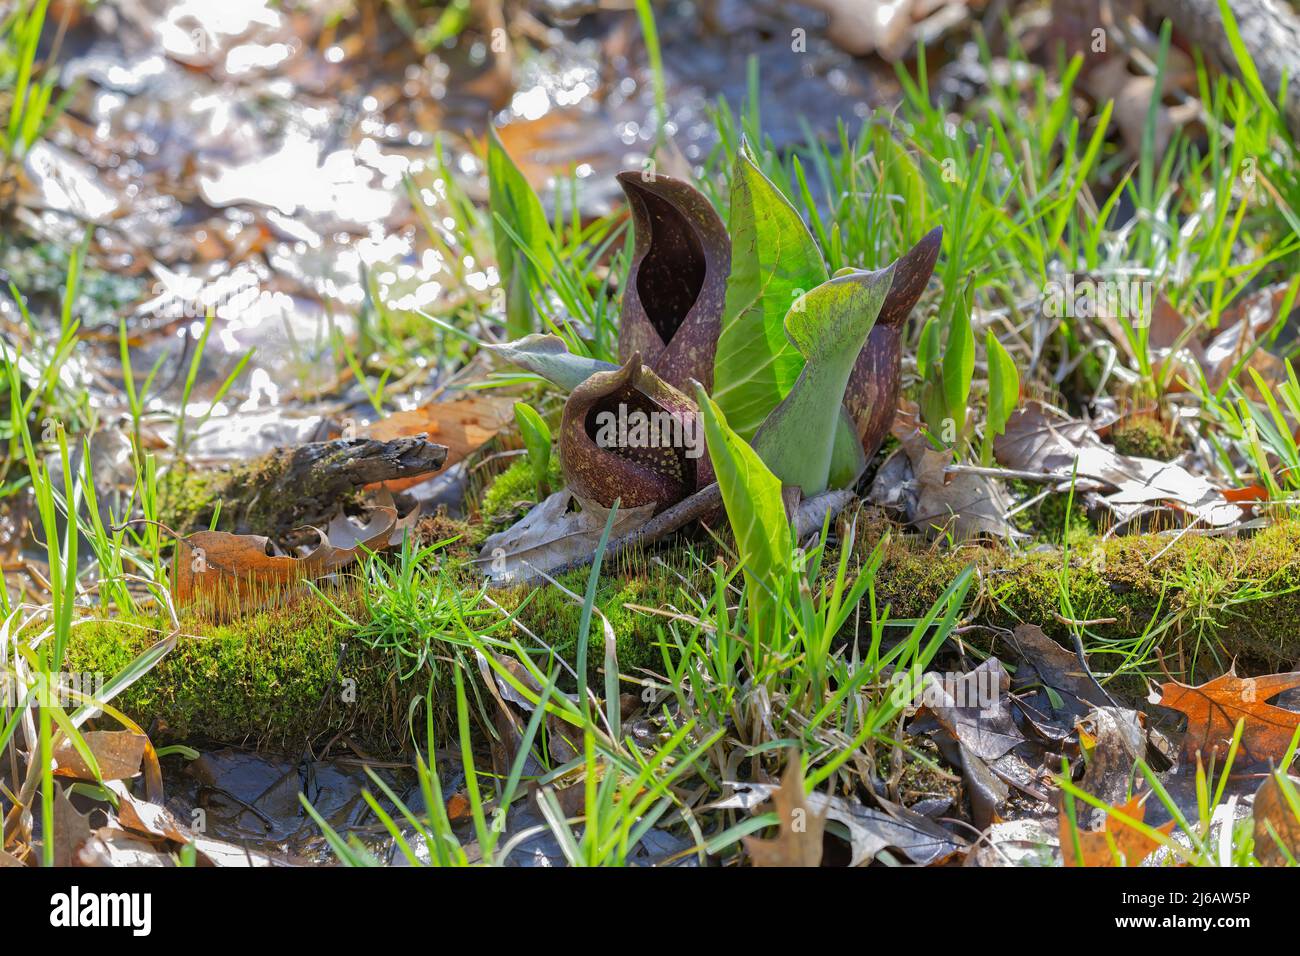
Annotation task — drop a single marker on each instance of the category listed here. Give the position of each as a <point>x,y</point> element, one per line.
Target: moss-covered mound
<point>277,678</point>
<point>297,673</point>
<point>283,677</point>
<point>1217,598</point>
<point>627,599</point>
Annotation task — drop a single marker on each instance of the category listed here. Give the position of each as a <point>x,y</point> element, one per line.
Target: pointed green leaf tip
<point>828,327</point>
<point>549,357</point>
<point>537,439</point>
<point>958,366</point>
<point>1004,393</point>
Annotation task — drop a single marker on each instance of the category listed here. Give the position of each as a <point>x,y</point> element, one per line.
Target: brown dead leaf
<point>545,147</point>
<point>464,425</point>
<point>228,573</point>
<point>458,808</point>
<point>348,540</point>
<point>1246,494</point>
<point>1276,824</point>
<point>963,504</point>
<point>799,838</point>
<point>1213,709</point>
<point>863,27</point>
<point>1114,740</point>
<point>1111,78</point>
<point>924,841</point>
<point>71,829</point>
<point>1240,328</point>
<point>1057,667</point>
<point>229,570</point>
<point>975,731</point>
<point>118,753</point>
<point>1041,438</point>
<point>151,819</point>
<point>1132,846</point>
<point>1038,437</point>
<point>550,536</point>
<point>974,708</point>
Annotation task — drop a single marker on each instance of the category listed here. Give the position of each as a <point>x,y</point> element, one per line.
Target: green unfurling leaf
<point>774,260</point>
<point>828,327</point>
<point>752,497</point>
<point>537,439</point>
<point>958,367</point>
<point>1004,393</point>
<point>549,357</point>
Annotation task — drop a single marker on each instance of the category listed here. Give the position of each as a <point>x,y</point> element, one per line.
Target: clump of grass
<point>627,600</point>
<point>413,610</point>
<point>26,87</point>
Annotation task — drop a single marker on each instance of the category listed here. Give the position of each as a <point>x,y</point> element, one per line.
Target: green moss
<point>1148,437</point>
<point>466,537</point>
<point>276,678</point>
<point>251,486</point>
<point>514,491</point>
<point>1223,598</point>
<point>250,494</point>
<point>556,617</point>
<point>1046,521</point>
<point>283,676</point>
<point>187,498</point>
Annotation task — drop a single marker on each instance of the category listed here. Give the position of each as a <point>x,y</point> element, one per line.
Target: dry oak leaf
<point>963,504</point>
<point>799,838</point>
<point>71,829</point>
<point>464,425</point>
<point>232,571</point>
<point>1041,438</point>
<point>1277,825</point>
<point>1131,846</point>
<point>551,536</point>
<point>228,568</point>
<point>117,752</point>
<point>1213,709</point>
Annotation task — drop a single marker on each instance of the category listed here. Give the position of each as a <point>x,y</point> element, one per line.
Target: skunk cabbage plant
<point>804,365</point>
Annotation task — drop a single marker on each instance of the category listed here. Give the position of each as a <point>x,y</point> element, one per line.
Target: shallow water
<point>252,162</point>
<point>251,800</point>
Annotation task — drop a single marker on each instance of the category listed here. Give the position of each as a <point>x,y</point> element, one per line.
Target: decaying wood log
<point>304,485</point>
<point>1270,31</point>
